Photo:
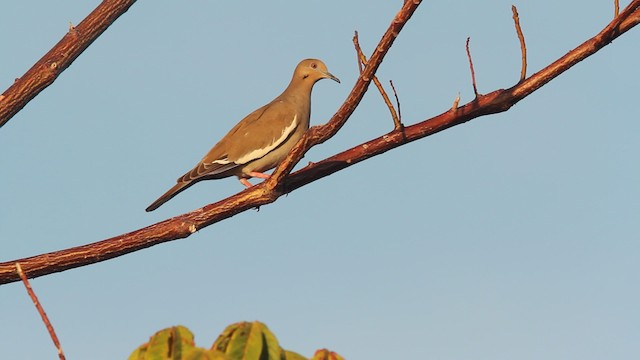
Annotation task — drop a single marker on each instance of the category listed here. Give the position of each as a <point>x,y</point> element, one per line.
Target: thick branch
<point>47,69</point>
<point>269,191</point>
<point>319,134</point>
<point>492,103</point>
<point>184,225</point>
<point>627,19</point>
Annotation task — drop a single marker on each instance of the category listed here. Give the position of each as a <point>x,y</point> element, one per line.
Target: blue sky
<point>512,236</point>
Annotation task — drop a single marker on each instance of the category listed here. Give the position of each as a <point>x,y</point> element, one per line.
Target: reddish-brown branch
<point>627,19</point>
<point>47,69</point>
<point>319,134</point>
<point>473,72</point>
<point>523,46</point>
<point>395,94</point>
<point>43,315</point>
<point>184,225</point>
<point>359,54</point>
<point>268,191</point>
<point>362,60</point>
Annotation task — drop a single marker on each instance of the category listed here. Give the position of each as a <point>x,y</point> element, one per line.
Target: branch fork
<point>268,191</point>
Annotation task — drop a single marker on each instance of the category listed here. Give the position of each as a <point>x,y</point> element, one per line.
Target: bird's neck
<point>298,89</point>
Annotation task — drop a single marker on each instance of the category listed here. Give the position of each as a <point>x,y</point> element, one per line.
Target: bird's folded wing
<point>252,138</point>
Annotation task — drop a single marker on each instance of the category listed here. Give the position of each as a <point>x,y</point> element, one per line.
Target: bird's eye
<point>314,65</point>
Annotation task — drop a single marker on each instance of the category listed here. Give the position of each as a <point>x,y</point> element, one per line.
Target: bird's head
<point>313,70</point>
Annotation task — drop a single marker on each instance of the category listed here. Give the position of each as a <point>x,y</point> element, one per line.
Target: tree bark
<point>281,182</point>
<point>58,59</point>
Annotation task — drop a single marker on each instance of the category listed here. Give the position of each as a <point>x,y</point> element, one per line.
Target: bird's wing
<point>253,137</point>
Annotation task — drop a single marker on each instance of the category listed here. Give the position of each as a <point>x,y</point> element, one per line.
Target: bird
<point>261,140</point>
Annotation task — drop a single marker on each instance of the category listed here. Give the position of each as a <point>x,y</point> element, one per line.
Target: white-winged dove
<point>260,141</point>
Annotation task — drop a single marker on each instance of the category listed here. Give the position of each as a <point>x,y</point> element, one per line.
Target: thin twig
<point>356,43</point>
<point>362,60</point>
<point>456,102</point>
<point>473,72</point>
<point>616,8</point>
<point>43,315</point>
<point>360,57</point>
<point>395,93</point>
<point>523,46</point>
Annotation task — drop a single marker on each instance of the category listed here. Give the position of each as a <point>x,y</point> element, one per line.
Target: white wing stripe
<point>258,153</point>
<point>221,161</point>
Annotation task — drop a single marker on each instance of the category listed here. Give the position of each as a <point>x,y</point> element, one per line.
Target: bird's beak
<point>329,75</point>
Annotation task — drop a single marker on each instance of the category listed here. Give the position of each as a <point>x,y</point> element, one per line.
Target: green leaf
<point>174,343</point>
<point>290,355</point>
<point>248,341</point>
<point>203,354</point>
<point>239,341</point>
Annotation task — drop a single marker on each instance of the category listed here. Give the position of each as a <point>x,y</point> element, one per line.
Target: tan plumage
<point>261,140</point>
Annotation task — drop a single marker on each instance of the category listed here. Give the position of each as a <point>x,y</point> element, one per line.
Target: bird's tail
<point>175,190</point>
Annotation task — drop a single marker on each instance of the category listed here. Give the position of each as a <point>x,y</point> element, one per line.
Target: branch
<point>362,60</point>
<point>523,46</point>
<point>184,225</point>
<point>43,315</point>
<point>399,124</point>
<point>627,19</point>
<point>495,102</point>
<point>53,63</point>
<point>268,191</point>
<point>473,72</point>
<point>319,134</point>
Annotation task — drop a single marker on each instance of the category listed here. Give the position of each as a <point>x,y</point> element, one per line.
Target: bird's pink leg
<point>259,175</point>
<point>256,174</point>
